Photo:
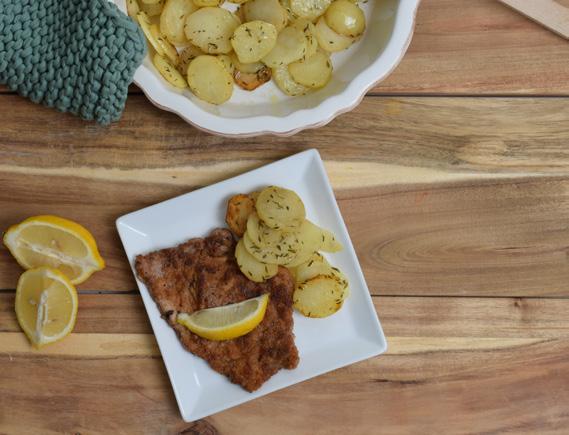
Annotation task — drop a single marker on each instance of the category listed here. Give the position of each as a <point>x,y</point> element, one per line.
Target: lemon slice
<point>227,322</point>
<point>54,242</point>
<point>46,305</point>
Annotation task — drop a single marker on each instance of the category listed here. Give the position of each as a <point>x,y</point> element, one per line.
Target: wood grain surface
<point>453,179</point>
<point>471,358</point>
<point>474,189</point>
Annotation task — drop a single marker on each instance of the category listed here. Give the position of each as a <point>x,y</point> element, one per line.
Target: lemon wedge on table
<point>54,242</point>
<point>46,305</point>
<point>226,322</point>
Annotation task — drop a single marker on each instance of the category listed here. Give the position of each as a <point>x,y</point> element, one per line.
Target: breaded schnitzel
<point>203,273</point>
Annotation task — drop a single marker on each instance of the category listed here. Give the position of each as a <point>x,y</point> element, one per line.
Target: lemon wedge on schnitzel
<point>226,322</point>
<point>54,242</point>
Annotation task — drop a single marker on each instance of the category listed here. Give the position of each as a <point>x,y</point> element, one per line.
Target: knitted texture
<point>78,56</point>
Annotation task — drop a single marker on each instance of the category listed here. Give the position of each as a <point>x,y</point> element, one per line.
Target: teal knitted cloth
<point>78,56</point>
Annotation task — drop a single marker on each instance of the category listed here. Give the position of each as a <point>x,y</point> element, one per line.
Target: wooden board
<point>463,363</point>
<point>553,14</point>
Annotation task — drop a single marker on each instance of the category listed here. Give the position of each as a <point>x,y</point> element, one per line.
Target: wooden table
<point>453,178</point>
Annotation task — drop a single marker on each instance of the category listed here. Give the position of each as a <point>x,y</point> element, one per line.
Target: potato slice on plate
<point>251,267</point>
<point>168,49</point>
<point>132,8</point>
<point>345,18</point>
<point>188,54</point>
<point>319,297</point>
<point>211,28</point>
<point>173,18</point>
<point>280,208</point>
<point>239,209</point>
<point>146,26</point>
<point>169,71</point>
<point>329,40</point>
<point>227,63</point>
<point>290,46</point>
<point>310,237</point>
<point>314,72</point>
<point>329,242</point>
<point>152,9</point>
<point>286,83</point>
<point>309,9</point>
<point>316,265</point>
<point>280,253</point>
<point>253,40</point>
<point>209,80</point>
<point>309,31</point>
<point>251,81</point>
<point>203,3</point>
<point>270,11</point>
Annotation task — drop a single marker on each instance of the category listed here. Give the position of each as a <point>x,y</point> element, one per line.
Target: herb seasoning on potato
<point>274,232</point>
<point>289,41</point>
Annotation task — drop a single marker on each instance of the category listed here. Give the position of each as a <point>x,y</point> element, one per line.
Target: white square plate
<point>352,334</point>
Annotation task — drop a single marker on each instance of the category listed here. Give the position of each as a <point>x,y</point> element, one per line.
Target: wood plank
<point>489,365</point>
<point>450,317</point>
<point>477,135</point>
<point>479,47</point>
<point>506,237</point>
<point>494,51</point>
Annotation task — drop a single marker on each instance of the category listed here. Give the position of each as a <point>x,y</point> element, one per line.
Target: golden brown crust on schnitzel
<point>202,273</point>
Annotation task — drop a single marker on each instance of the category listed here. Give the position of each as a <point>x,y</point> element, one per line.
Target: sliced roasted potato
<point>146,26</point>
<point>280,208</point>
<point>252,268</point>
<point>310,237</point>
<point>239,209</point>
<point>270,11</point>
<point>152,9</point>
<point>309,9</point>
<point>248,68</point>
<point>204,3</point>
<point>321,296</point>
<point>132,8</point>
<point>290,46</point>
<point>168,49</point>
<point>329,40</point>
<point>279,253</point>
<point>309,31</point>
<point>211,28</point>
<point>286,5</point>
<point>265,236</point>
<point>342,279</point>
<point>253,40</point>
<point>227,63</point>
<point>314,72</point>
<point>251,81</point>
<point>329,242</point>
<point>169,71</point>
<point>316,265</point>
<point>209,80</point>
<point>188,54</point>
<point>345,18</point>
<point>173,18</point>
<point>286,83</point>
